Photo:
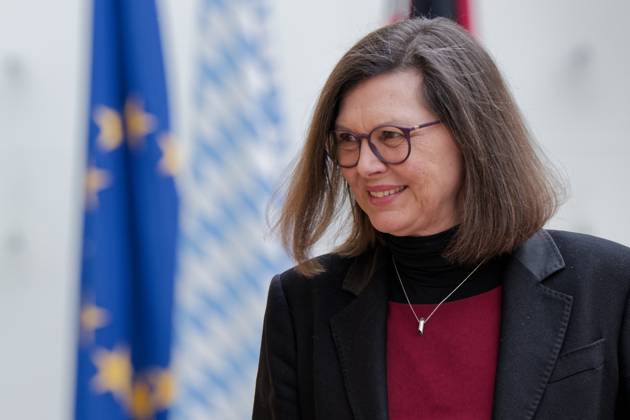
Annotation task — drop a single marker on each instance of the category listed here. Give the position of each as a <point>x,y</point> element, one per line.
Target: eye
<point>385,135</point>
<point>389,136</point>
<point>345,140</point>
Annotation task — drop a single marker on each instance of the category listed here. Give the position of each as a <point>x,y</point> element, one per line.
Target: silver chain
<point>423,321</point>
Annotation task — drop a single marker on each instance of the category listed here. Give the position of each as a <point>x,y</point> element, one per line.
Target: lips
<point>381,193</point>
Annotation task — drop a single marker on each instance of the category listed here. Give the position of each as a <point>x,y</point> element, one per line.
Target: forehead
<point>394,97</point>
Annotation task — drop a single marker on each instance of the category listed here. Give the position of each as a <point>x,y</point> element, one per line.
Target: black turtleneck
<point>429,277</point>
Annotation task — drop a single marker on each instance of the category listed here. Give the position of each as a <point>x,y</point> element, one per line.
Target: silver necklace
<point>423,321</point>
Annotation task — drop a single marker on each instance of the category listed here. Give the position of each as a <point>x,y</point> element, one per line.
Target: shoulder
<point>592,266</point>
<point>295,285</point>
<point>333,266</point>
<point>292,295</point>
<point>587,248</point>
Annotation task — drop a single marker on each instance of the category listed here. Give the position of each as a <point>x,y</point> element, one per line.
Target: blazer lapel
<point>360,335</point>
<point>534,322</point>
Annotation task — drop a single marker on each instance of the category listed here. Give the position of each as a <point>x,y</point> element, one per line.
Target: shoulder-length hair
<point>508,190</point>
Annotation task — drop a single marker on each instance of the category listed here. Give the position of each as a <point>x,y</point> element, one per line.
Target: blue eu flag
<point>130,222</point>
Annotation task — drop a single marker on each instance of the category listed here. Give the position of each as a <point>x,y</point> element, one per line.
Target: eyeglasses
<point>389,143</point>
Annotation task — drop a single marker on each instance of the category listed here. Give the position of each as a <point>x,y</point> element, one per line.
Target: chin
<point>392,227</point>
<point>395,227</point>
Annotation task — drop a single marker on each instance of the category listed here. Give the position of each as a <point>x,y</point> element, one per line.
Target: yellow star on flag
<point>114,372</point>
<point>137,122</point>
<point>163,388</point>
<point>96,180</point>
<point>110,128</point>
<point>172,158</point>
<point>91,318</point>
<point>141,405</point>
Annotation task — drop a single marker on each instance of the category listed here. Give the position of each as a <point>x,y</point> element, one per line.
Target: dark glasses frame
<point>368,136</point>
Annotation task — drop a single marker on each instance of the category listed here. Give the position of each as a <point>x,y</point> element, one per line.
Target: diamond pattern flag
<point>227,256</point>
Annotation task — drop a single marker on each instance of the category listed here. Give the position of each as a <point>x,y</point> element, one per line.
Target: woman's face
<point>418,197</point>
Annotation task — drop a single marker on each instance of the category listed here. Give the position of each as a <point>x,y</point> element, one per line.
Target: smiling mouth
<point>381,194</point>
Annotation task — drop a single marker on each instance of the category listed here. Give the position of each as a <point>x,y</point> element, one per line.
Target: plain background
<point>566,61</point>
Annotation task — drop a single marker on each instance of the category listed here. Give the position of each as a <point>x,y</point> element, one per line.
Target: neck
<point>421,258</point>
<point>428,276</point>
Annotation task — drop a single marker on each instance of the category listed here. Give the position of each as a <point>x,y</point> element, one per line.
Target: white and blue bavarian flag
<point>227,255</point>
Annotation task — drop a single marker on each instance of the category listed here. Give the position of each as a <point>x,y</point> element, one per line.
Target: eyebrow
<point>392,123</point>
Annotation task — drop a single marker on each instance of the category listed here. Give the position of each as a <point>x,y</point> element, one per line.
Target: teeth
<point>381,194</point>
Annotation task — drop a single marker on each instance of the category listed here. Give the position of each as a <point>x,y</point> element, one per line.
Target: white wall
<point>41,132</point>
<point>568,62</point>
<point>565,60</point>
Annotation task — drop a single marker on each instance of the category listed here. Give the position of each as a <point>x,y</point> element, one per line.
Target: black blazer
<point>564,350</point>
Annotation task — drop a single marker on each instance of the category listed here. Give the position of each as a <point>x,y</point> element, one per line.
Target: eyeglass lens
<point>388,143</point>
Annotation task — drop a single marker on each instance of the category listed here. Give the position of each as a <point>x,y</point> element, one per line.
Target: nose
<point>369,163</point>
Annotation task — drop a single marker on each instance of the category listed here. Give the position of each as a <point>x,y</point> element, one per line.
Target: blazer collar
<point>363,269</point>
<point>534,321</point>
<point>533,325</point>
<point>540,255</point>
<point>359,331</point>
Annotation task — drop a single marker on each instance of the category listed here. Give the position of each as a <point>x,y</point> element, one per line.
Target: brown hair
<point>508,191</point>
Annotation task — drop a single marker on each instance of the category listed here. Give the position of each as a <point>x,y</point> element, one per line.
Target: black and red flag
<point>457,10</point>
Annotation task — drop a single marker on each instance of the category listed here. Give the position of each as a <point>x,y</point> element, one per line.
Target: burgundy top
<point>448,373</point>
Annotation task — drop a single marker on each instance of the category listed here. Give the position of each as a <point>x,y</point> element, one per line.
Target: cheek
<point>455,173</point>
<point>349,176</point>
<point>357,194</point>
<point>418,175</point>
<point>432,184</point>
<point>438,172</point>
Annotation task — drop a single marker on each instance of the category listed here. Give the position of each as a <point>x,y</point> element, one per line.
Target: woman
<point>447,299</point>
